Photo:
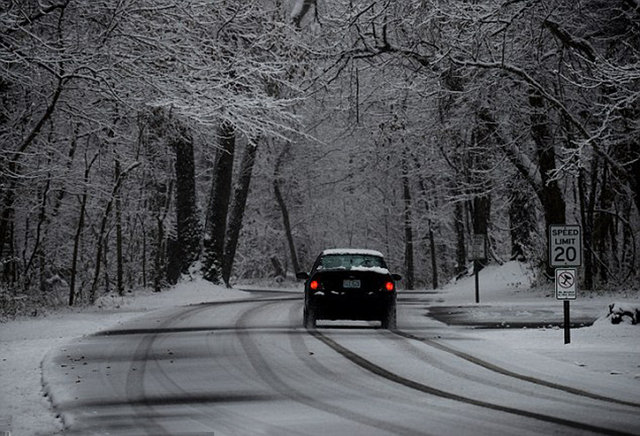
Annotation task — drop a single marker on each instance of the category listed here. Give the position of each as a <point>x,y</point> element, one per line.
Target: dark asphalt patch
<point>489,317</point>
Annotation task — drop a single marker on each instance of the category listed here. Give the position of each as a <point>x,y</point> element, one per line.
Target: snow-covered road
<point>247,367</point>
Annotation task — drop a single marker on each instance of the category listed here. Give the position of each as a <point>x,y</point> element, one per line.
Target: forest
<point>146,141</point>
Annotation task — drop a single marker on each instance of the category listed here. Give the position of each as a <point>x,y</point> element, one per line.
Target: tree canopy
<point>141,140</point>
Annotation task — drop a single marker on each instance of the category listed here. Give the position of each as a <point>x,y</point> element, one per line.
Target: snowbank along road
<point>248,367</point>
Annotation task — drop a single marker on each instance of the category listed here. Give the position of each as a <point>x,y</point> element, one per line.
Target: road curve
<point>249,368</point>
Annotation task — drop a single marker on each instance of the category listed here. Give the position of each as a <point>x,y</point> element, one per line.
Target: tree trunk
<point>8,197</point>
<point>144,255</point>
<point>408,229</point>
<point>119,257</point>
<point>237,210</point>
<point>219,205</point>
<point>549,191</point>
<point>6,221</point>
<point>98,264</point>
<point>586,217</point>
<point>188,223</point>
<point>484,140</point>
<point>278,271</point>
<point>521,213</point>
<point>76,249</point>
<point>105,257</point>
<point>481,212</point>
<point>287,226</point>
<point>434,261</point>
<point>37,252</point>
<point>10,267</point>
<point>160,273</point>
<point>103,231</point>
<point>62,193</point>
<point>635,170</point>
<point>430,232</point>
<point>461,252</point>
<point>79,228</point>
<point>162,211</point>
<point>602,226</point>
<point>521,220</point>
<point>283,208</point>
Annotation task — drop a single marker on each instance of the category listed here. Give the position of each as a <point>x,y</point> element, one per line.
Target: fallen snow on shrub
<point>625,313</point>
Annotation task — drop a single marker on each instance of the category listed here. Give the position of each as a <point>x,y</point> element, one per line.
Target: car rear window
<point>349,261</point>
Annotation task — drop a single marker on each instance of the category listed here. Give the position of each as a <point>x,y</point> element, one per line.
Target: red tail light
<point>389,286</point>
<point>314,285</point>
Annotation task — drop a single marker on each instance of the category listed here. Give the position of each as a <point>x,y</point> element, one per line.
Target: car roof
<point>361,251</point>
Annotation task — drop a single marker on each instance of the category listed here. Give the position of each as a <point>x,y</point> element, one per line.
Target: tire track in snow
<point>134,386</point>
<point>506,372</point>
<point>142,359</point>
<point>264,369</point>
<point>412,384</point>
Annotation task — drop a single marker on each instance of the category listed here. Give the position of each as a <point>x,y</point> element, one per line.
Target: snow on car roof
<point>352,251</point>
<point>376,269</point>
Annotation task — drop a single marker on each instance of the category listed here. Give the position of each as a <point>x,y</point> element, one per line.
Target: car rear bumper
<point>351,306</point>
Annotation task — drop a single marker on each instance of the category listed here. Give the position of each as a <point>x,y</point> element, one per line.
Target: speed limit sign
<point>565,246</point>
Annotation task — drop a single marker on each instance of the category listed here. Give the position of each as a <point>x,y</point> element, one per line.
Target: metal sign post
<point>565,254</point>
<point>566,291</point>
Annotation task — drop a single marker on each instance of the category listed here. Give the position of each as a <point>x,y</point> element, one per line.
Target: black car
<point>350,284</point>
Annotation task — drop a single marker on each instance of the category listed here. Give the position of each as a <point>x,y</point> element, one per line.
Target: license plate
<point>351,284</point>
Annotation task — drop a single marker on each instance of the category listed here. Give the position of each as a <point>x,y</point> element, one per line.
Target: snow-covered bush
<point>623,313</point>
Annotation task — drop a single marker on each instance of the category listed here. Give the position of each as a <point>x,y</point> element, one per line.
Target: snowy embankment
<point>505,290</point>
<point>25,342</point>
<point>610,344</point>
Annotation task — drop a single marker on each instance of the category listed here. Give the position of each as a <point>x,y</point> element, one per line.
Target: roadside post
<point>478,252</point>
<point>5,425</point>
<point>566,291</point>
<point>565,254</point>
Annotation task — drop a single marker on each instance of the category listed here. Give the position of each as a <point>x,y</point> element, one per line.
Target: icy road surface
<point>249,368</point>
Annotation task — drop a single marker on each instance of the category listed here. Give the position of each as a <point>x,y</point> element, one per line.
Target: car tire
<point>309,318</point>
<point>389,318</point>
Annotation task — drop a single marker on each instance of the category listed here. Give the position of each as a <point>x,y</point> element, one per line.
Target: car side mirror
<point>302,276</point>
<point>396,277</point>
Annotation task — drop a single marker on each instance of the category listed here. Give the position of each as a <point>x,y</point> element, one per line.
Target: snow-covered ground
<point>25,342</point>
<point>506,297</point>
<point>504,291</point>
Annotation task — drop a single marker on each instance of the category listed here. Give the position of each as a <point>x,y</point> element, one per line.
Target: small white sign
<point>566,279</point>
<point>478,247</point>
